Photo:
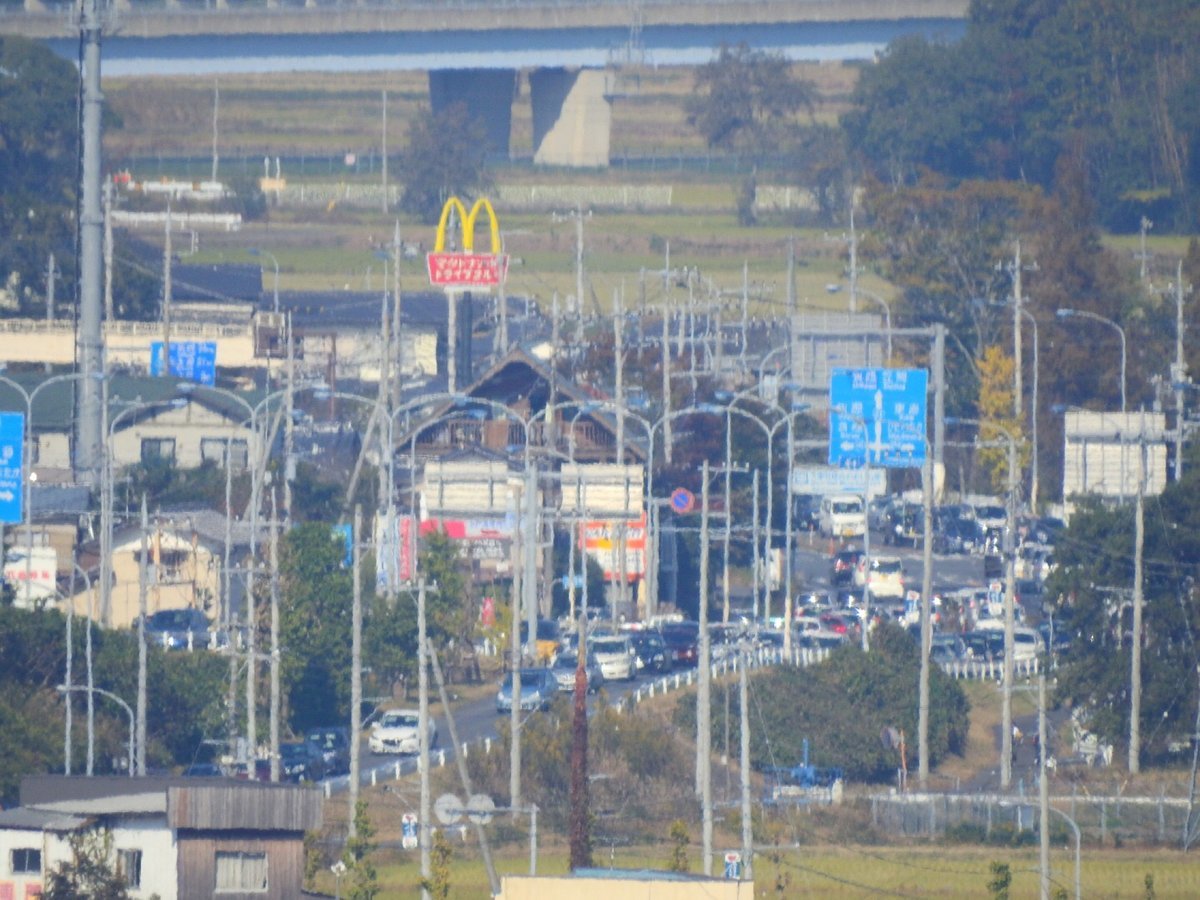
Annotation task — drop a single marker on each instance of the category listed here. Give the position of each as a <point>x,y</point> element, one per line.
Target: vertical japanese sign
<point>12,467</point>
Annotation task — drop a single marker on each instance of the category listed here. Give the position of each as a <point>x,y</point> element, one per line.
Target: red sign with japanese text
<point>448,269</point>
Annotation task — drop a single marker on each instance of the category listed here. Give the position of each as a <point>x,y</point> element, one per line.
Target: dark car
<point>177,629</point>
<point>203,770</point>
<point>650,651</point>
<point>845,561</point>
<point>334,743</point>
<point>683,643</point>
<point>298,761</point>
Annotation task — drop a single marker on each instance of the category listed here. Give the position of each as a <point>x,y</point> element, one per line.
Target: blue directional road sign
<point>193,360</point>
<point>12,470</point>
<point>891,404</point>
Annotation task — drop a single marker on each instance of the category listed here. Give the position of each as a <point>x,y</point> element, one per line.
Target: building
<point>175,838</point>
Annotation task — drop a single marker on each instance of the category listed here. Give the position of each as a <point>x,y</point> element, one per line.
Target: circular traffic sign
<point>682,500</point>
<point>448,808</point>
<point>480,809</point>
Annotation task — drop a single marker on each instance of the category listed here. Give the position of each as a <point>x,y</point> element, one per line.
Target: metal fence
<point>1106,821</point>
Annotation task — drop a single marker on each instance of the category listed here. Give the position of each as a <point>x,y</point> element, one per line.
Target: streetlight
<point>887,313</point>
<point>1085,314</point>
<point>29,476</point>
<point>67,688</point>
<point>254,251</point>
<point>1009,591</point>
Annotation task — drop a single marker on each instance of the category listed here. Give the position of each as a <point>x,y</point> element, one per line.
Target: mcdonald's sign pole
<point>459,271</point>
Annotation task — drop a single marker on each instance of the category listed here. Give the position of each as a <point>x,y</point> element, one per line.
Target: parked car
<point>650,651</point>
<point>843,515</point>
<point>203,770</point>
<point>178,629</point>
<point>399,731</point>
<point>683,642</point>
<point>564,673</point>
<point>538,687</point>
<point>298,761</point>
<point>334,743</point>
<point>615,657</point>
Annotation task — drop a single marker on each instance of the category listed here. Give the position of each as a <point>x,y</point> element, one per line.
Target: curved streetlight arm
<point>91,689</point>
<point>1067,313</point>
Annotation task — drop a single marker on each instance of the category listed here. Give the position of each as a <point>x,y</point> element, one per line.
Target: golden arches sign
<point>466,268</point>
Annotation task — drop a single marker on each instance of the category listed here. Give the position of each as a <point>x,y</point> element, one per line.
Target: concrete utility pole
<point>424,832</point>
<point>141,632</point>
<point>166,300</point>
<point>926,621</point>
<point>1179,370</point>
<point>88,433</point>
<point>666,384</point>
<point>619,360</point>
<point>356,666</point>
<point>273,667</point>
<point>108,251</point>
<point>744,762</point>
<point>1135,665</point>
<point>704,690</point>
<point>383,152</point>
<point>215,119</point>
<point>514,720</point>
<point>853,260</point>
<point>1017,386</point>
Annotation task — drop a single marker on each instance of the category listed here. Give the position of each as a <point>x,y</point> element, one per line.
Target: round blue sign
<point>682,500</point>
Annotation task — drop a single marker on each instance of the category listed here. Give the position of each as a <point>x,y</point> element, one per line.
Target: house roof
<point>320,310</point>
<point>206,523</point>
<point>23,818</point>
<point>219,282</point>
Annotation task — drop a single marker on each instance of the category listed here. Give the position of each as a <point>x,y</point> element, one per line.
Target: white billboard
<point>835,480</point>
<point>1106,452</point>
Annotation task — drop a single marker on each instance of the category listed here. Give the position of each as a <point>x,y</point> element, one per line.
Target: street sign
<point>12,470</point>
<point>891,403</point>
<point>682,500</point>
<point>408,831</point>
<point>193,360</point>
<point>448,809</point>
<point>733,865</point>
<point>832,480</point>
<point>480,809</point>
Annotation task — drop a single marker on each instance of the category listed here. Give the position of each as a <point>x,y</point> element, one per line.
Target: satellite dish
<point>480,809</point>
<point>448,808</point>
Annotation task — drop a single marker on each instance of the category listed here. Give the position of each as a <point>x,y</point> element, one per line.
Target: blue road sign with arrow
<point>891,403</point>
<point>12,467</point>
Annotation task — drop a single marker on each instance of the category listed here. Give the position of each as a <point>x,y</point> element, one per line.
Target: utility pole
<point>166,301</point>
<point>704,690</point>
<point>1179,370</point>
<point>216,113</point>
<point>1139,543</point>
<point>514,775</point>
<point>108,250</point>
<point>273,668</point>
<point>141,675</point>
<point>89,436</point>
<point>926,621</point>
<point>356,664</point>
<point>423,834</point>
<point>383,152</point>
<point>666,384</point>
<point>1043,794</point>
<point>853,259</point>
<point>744,761</point>
<point>51,273</point>
<point>397,322</point>
<point>619,361</point>
<point>1017,386</point>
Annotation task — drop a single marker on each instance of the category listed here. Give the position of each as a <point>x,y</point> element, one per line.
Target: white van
<point>842,516</point>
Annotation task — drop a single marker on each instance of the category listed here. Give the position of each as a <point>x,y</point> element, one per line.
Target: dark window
<point>129,866</point>
<point>26,861</point>
<point>154,449</point>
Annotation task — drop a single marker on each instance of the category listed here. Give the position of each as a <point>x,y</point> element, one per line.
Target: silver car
<point>564,673</point>
<point>538,688</point>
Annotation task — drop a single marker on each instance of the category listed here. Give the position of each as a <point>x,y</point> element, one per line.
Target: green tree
<point>679,844</point>
<point>747,100</point>
<point>315,625</point>
<point>38,139</point>
<point>446,156</point>
<point>1000,881</point>
<point>442,857</point>
<point>1094,554</point>
<point>89,875</point>
<point>364,882</point>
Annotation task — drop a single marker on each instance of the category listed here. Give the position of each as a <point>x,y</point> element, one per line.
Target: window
<point>26,861</point>
<point>129,866</point>
<point>214,450</point>
<point>154,449</point>
<point>241,872</point>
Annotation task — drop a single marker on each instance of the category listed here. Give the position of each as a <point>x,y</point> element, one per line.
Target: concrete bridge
<point>473,49</point>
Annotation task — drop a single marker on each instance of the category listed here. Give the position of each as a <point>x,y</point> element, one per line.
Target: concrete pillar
<point>572,117</point>
<point>488,94</point>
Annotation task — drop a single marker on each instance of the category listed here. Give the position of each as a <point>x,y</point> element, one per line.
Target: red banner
<point>449,269</point>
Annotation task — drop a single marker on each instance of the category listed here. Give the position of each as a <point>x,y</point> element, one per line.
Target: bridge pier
<point>572,117</point>
<point>488,95</point>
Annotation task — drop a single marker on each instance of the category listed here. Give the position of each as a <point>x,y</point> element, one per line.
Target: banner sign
<point>12,472</point>
<point>891,404</point>
<point>193,360</point>
<point>466,268</point>
<point>603,539</point>
<point>832,480</point>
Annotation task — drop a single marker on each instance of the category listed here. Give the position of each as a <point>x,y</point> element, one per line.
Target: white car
<point>398,731</point>
<point>887,576</point>
<point>615,657</point>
